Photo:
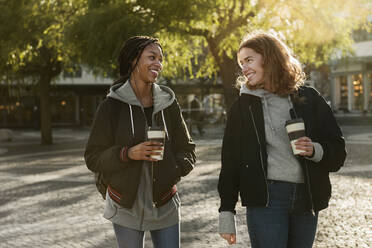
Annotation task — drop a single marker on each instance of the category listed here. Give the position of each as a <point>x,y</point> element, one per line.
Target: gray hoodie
<point>143,215</point>
<point>282,165</point>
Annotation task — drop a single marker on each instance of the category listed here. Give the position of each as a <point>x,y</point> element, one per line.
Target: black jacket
<point>111,131</point>
<point>244,155</point>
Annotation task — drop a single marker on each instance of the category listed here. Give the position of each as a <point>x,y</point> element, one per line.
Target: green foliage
<point>32,36</point>
<point>98,35</point>
<point>33,46</point>
<point>316,29</point>
<point>184,54</point>
<point>198,35</point>
<point>313,29</point>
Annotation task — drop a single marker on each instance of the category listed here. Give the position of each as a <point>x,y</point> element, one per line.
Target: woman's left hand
<point>229,237</point>
<point>305,144</point>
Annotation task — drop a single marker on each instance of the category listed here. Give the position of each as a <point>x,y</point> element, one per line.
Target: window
<point>358,91</point>
<point>343,93</point>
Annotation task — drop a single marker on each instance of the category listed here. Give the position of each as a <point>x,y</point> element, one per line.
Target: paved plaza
<point>48,197</point>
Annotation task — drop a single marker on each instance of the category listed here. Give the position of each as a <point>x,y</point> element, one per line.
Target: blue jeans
<point>163,238</point>
<point>284,223</point>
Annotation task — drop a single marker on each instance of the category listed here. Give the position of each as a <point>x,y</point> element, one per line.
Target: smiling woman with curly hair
<point>283,181</point>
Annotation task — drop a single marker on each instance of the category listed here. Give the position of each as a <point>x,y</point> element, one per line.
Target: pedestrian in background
<point>197,115</point>
<point>282,193</point>
<point>141,193</point>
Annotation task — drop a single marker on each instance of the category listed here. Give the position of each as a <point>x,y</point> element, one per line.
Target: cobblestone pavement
<point>48,197</point>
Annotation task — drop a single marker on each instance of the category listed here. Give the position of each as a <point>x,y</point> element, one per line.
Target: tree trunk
<point>227,71</point>
<point>45,111</point>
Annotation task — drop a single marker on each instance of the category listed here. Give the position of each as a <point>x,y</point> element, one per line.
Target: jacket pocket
<point>113,209</point>
<point>186,167</point>
<point>176,200</point>
<point>110,208</point>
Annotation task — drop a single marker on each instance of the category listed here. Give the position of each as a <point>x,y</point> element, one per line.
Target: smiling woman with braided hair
<point>141,194</point>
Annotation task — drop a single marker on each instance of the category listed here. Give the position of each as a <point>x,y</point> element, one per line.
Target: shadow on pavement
<point>64,202</point>
<point>34,189</point>
<point>358,174</point>
<point>36,170</point>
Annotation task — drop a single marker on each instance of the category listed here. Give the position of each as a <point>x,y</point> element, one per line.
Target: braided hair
<point>130,51</point>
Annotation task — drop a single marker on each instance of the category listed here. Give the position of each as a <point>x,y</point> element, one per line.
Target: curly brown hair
<point>282,72</point>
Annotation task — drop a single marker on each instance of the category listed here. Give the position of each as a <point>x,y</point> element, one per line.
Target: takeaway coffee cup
<point>295,129</point>
<point>158,135</point>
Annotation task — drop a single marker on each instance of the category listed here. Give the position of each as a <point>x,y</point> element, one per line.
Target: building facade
<point>351,78</point>
<point>74,98</point>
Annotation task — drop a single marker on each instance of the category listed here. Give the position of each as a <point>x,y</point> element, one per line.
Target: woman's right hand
<point>229,237</point>
<point>144,150</point>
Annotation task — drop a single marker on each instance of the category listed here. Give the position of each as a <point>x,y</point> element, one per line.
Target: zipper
<point>153,184</point>
<point>306,166</point>
<point>144,197</point>
<point>152,163</point>
<point>262,166</point>
<point>308,188</point>
<point>153,119</point>
<point>152,166</point>
<point>143,209</point>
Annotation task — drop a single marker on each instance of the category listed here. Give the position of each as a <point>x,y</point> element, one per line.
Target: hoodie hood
<point>258,92</point>
<point>163,96</point>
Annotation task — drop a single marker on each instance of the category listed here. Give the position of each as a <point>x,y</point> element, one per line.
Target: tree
<point>98,35</point>
<point>34,49</point>
<point>205,34</point>
<point>313,29</point>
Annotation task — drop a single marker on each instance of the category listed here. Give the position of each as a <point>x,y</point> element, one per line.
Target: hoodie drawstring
<point>132,123</point>
<point>131,119</point>
<point>165,125</point>
<point>292,110</point>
